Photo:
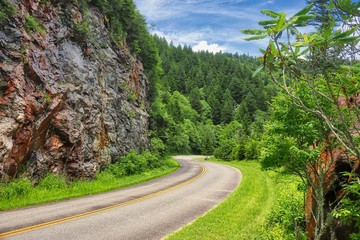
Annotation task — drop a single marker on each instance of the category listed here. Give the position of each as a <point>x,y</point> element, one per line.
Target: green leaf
<point>304,18</point>
<point>256,37</point>
<point>347,40</point>
<point>299,44</point>
<point>332,5</point>
<point>305,10</point>
<point>253,31</point>
<point>338,34</point>
<point>304,52</point>
<point>262,51</point>
<point>270,13</point>
<point>281,22</point>
<point>258,70</point>
<point>272,47</point>
<point>294,31</point>
<point>267,22</point>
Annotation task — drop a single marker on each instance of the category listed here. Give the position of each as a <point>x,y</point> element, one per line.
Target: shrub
<point>32,24</point>
<point>7,9</point>
<point>158,147</point>
<point>224,151</point>
<point>238,152</point>
<point>16,189</point>
<point>286,220</point>
<point>51,182</point>
<point>252,149</point>
<point>153,160</point>
<point>133,163</point>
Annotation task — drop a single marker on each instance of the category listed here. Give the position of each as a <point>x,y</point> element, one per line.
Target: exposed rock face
<point>69,103</point>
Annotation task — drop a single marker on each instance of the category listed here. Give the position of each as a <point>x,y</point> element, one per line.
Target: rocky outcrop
<point>71,101</point>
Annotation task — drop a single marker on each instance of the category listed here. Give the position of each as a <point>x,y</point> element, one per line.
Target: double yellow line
<point>82,215</point>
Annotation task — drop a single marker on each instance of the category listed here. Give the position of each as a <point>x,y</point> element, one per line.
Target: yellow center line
<point>82,215</point>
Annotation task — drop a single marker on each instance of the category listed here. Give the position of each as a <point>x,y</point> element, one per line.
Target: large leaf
<point>347,40</point>
<point>256,37</point>
<point>304,18</point>
<point>270,13</point>
<point>338,34</point>
<point>305,10</point>
<point>253,31</point>
<point>281,22</point>
<point>258,70</point>
<point>267,22</point>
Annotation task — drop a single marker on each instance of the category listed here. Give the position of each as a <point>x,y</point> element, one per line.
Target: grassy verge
<point>240,216</point>
<point>20,193</point>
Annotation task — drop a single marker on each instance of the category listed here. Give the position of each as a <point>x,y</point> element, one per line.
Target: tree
<point>318,72</point>
<point>227,110</point>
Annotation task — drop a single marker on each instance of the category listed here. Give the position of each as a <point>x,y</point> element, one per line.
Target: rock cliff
<point>71,101</point>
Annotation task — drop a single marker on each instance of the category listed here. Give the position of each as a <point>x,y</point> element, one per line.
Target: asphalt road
<point>150,210</point>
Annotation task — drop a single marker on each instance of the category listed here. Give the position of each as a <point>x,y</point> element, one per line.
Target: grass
<point>52,188</point>
<point>242,215</point>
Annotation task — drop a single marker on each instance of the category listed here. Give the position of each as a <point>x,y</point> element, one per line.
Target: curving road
<point>150,210</point>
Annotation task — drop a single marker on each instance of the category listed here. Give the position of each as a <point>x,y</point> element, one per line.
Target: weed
<point>7,9</point>
<point>123,86</point>
<point>47,97</point>
<point>32,24</point>
<point>125,172</point>
<point>132,96</point>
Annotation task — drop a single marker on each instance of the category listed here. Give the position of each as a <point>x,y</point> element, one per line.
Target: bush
<point>7,9</point>
<point>32,24</point>
<point>287,218</point>
<point>238,152</point>
<point>224,151</point>
<point>134,163</point>
<point>252,149</point>
<point>157,147</point>
<point>153,160</point>
<point>19,188</point>
<point>51,182</point>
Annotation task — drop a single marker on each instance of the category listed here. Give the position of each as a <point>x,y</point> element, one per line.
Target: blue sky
<point>212,25</point>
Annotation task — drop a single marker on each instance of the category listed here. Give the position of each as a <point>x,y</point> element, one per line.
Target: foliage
<point>325,76</point>
<point>51,182</point>
<point>319,74</point>
<point>21,192</point>
<point>14,189</point>
<point>157,147</point>
<point>215,84</point>
<point>349,209</point>
<point>32,24</point>
<point>7,9</point>
<point>134,163</point>
<point>290,131</point>
<point>286,219</point>
<point>198,95</point>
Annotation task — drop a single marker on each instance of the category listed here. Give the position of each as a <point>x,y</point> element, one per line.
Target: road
<point>150,210</point>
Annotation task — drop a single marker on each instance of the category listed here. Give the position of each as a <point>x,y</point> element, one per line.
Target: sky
<point>212,25</point>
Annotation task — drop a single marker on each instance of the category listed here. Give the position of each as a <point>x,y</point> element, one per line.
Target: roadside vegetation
<point>126,172</point>
<point>264,206</point>
<point>284,112</point>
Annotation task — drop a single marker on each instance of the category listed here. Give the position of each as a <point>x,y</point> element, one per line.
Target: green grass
<point>242,215</point>
<point>52,188</point>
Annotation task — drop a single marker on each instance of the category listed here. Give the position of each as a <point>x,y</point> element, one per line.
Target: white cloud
<point>211,25</point>
<point>204,46</point>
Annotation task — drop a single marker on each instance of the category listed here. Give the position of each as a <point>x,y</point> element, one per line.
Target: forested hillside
<point>204,98</point>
